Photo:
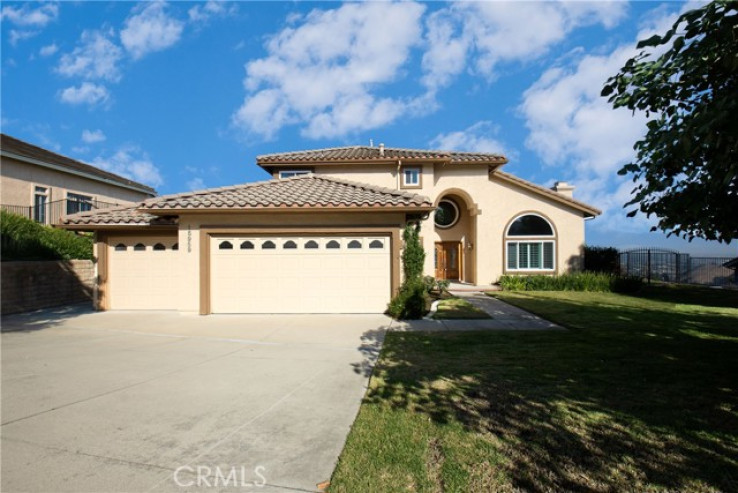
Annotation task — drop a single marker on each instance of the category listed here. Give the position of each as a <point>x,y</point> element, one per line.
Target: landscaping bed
<point>640,394</point>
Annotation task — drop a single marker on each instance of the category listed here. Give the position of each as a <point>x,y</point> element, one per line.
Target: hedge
<point>580,281</point>
<point>25,239</point>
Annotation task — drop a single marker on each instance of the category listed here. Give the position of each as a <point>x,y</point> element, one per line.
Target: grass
<point>458,309</point>
<point>641,394</point>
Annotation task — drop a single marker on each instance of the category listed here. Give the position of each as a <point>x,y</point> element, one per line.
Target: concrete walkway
<point>504,317</point>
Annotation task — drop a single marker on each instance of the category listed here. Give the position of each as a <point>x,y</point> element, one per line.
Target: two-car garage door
<point>299,274</point>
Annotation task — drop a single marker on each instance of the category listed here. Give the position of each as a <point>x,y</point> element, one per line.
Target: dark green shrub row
<point>580,281</point>
<point>601,259</point>
<point>24,239</point>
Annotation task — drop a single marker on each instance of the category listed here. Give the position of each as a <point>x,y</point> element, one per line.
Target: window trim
<point>529,241</point>
<point>404,184</point>
<point>456,208</point>
<point>292,173</point>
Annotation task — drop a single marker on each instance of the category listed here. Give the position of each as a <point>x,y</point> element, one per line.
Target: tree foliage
<point>686,82</point>
<point>413,255</point>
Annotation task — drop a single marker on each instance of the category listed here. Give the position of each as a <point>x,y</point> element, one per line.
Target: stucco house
<point>323,235</point>
<point>46,186</point>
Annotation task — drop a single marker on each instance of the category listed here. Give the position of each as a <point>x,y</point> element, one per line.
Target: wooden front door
<point>448,260</point>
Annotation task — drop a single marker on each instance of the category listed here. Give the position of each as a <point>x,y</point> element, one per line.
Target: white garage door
<point>299,274</point>
<point>142,273</point>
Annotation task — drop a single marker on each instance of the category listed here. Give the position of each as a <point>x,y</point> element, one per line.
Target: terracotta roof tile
<point>300,192</point>
<point>366,153</point>
<point>18,147</point>
<point>116,216</point>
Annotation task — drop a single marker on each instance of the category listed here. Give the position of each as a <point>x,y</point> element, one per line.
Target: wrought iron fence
<point>54,212</point>
<point>672,266</point>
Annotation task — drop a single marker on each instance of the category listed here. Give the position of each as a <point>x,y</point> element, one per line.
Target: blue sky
<point>185,95</point>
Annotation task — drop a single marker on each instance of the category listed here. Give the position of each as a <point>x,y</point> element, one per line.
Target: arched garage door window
<point>530,244</point>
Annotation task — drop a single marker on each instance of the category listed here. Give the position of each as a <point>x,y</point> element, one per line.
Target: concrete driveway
<point>157,401</point>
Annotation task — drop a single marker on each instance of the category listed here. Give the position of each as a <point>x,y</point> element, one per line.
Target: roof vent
<point>381,150</point>
<point>563,188</point>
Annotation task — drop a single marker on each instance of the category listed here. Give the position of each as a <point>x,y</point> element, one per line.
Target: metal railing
<point>672,266</point>
<point>54,212</point>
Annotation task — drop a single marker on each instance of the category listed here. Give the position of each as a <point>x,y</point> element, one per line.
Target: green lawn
<point>639,395</point>
<point>458,309</point>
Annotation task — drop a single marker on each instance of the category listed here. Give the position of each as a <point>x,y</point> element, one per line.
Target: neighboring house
<point>46,186</point>
<point>324,235</point>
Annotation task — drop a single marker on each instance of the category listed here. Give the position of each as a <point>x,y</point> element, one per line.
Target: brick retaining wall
<point>28,286</point>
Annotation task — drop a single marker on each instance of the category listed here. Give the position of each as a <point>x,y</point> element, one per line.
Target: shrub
<point>580,281</point>
<point>24,239</point>
<point>601,259</point>
<point>411,302</point>
<point>627,284</point>
<point>431,284</point>
<point>413,255</point>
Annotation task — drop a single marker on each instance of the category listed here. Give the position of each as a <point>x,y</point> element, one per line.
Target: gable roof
<point>23,151</point>
<point>300,192</point>
<point>588,210</point>
<point>355,154</point>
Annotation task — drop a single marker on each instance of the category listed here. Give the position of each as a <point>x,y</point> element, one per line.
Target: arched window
<point>311,245</point>
<point>447,214</point>
<point>376,244</point>
<point>159,247</point>
<point>289,245</point>
<point>537,251</point>
<point>268,245</point>
<point>354,244</point>
<point>333,244</point>
<point>225,245</point>
<point>530,225</point>
<point>247,245</point>
<point>175,247</point>
<point>120,247</point>
<point>139,247</point>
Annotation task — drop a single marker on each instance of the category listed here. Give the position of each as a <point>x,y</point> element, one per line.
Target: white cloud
<point>325,73</point>
<point>87,93</point>
<point>95,57</point>
<point>131,162</point>
<point>93,136</point>
<point>571,126</point>
<point>20,35</point>
<point>202,13</point>
<point>48,50</point>
<point>196,183</point>
<point>150,29</point>
<point>484,34</point>
<point>28,16</point>
<point>480,137</point>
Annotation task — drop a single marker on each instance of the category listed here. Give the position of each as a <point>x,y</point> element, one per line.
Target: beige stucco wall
<point>18,179</point>
<point>189,238</point>
<point>487,206</point>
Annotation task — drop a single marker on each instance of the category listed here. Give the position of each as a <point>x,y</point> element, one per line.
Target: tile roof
<point>366,153</point>
<point>116,216</point>
<point>20,148</point>
<point>300,192</point>
<point>586,208</point>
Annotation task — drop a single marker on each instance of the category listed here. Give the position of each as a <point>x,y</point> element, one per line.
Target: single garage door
<point>291,274</point>
<point>142,273</point>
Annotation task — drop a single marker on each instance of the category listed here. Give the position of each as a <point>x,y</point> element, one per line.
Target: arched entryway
<point>454,236</point>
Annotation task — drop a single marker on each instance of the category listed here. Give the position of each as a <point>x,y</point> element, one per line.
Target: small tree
<point>413,255</point>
